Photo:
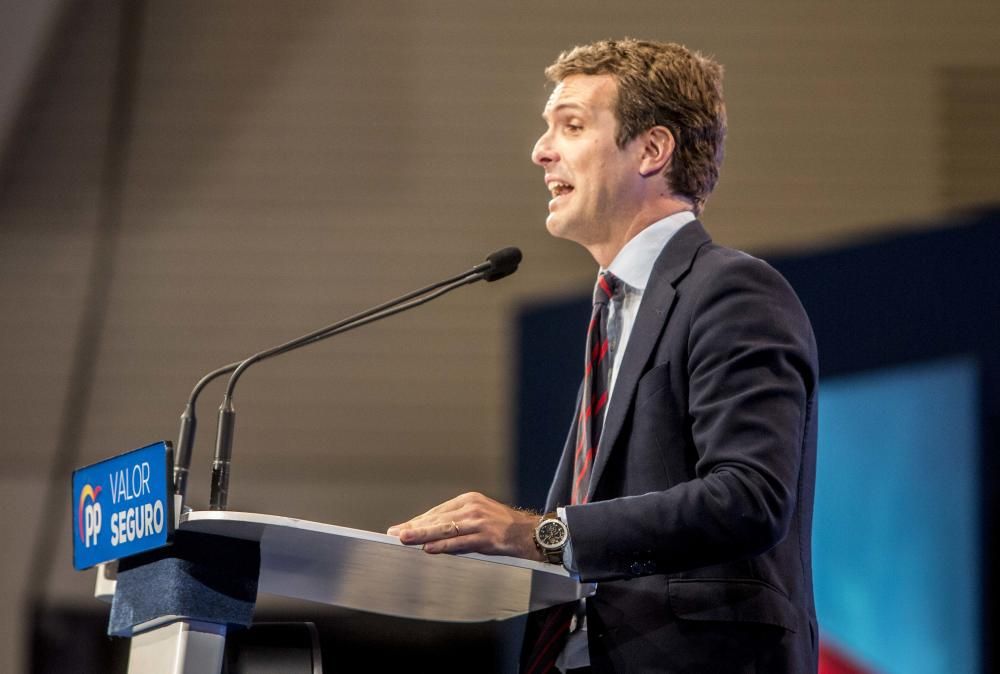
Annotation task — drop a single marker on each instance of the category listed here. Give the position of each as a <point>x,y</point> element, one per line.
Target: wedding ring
<point>458,532</point>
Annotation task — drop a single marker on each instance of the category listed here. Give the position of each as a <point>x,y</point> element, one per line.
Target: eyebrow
<point>563,106</point>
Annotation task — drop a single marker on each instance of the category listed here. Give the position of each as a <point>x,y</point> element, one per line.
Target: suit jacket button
<point>635,568</point>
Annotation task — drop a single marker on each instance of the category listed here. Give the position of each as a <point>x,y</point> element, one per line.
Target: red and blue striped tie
<point>596,388</point>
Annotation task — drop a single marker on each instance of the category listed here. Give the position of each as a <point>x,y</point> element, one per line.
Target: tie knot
<point>608,285</point>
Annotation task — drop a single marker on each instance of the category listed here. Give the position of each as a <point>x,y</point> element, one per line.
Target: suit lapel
<point>654,310</point>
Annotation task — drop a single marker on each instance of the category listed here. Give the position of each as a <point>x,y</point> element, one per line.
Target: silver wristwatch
<point>550,536</point>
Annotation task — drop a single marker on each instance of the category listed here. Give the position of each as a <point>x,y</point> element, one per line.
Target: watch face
<point>551,534</point>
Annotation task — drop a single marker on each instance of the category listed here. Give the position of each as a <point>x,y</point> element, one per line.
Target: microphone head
<point>502,263</point>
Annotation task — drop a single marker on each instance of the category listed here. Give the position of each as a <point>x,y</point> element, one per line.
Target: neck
<point>604,252</point>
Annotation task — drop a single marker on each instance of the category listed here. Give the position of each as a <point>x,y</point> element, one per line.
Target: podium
<point>177,608</point>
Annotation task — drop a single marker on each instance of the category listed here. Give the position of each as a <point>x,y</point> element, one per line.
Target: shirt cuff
<point>568,560</point>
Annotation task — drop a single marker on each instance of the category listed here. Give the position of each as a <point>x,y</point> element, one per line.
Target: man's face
<point>594,184</point>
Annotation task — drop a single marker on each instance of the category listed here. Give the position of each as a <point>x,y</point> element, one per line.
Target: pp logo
<point>89,515</point>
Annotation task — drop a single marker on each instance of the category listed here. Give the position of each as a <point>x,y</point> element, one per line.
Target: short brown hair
<point>662,84</point>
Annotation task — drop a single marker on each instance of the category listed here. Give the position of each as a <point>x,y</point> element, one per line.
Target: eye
<point>572,127</point>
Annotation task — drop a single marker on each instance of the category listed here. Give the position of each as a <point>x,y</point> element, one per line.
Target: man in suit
<point>693,512</point>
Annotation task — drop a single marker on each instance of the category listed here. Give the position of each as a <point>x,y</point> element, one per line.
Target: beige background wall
<point>292,162</point>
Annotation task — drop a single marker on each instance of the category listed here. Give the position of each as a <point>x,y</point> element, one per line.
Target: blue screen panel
<point>896,531</point>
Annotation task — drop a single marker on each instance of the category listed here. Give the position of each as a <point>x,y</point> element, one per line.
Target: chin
<point>557,226</point>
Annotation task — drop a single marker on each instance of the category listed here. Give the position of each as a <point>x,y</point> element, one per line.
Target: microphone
<point>498,265</point>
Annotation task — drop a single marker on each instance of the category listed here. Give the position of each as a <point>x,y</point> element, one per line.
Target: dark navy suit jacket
<point>698,521</point>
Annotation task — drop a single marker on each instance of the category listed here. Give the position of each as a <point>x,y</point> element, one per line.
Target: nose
<point>543,154</point>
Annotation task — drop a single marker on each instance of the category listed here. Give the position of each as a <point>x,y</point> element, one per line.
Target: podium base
<point>180,647</point>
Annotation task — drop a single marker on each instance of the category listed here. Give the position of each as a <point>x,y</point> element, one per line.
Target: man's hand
<point>472,523</point>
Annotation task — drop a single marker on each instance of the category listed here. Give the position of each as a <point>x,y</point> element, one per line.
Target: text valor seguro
<point>129,523</point>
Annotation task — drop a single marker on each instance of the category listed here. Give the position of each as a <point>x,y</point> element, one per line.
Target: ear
<point>657,149</point>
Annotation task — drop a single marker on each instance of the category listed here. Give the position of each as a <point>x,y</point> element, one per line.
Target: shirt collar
<point>634,262</point>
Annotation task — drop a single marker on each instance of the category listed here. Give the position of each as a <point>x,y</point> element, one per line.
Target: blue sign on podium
<point>123,506</point>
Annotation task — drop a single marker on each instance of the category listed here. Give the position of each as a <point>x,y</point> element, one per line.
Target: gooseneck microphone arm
<point>189,421</point>
<point>227,415</point>
<point>498,265</point>
<point>365,317</point>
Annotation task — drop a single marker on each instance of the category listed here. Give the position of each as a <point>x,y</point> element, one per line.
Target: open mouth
<point>558,189</point>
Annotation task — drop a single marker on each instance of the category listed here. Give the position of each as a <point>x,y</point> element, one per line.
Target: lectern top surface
<point>374,572</point>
